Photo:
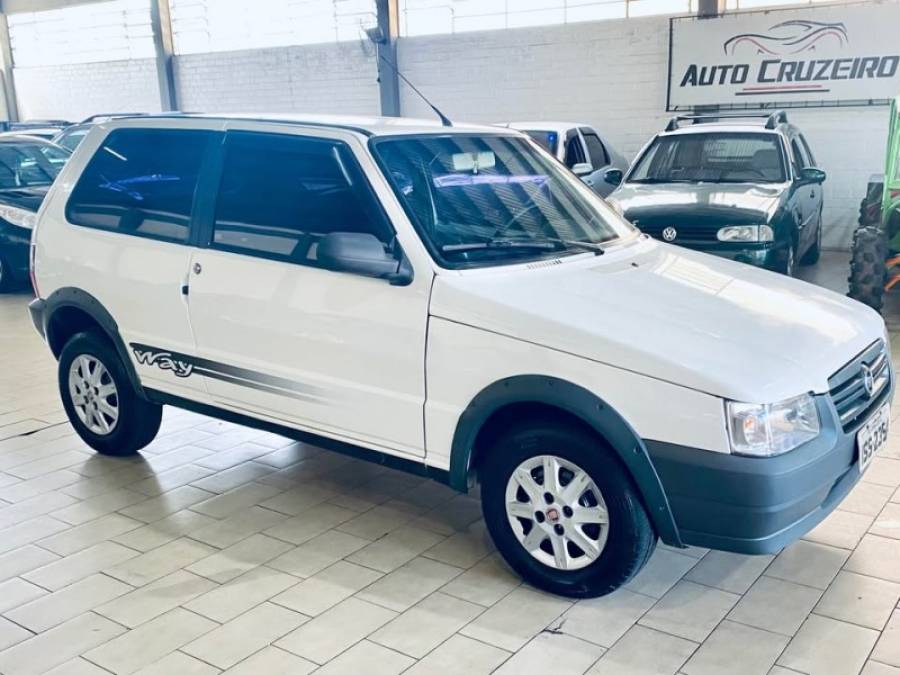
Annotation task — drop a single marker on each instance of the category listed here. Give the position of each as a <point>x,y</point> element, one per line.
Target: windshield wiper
<point>539,244</point>
<point>542,244</point>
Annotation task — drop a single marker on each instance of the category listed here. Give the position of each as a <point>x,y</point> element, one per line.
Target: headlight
<point>746,233</point>
<point>17,216</point>
<point>771,428</point>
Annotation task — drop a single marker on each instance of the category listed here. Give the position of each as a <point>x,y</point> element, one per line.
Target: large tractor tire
<point>868,273</point>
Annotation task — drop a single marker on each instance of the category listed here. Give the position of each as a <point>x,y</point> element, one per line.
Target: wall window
<point>141,182</point>
<point>280,195</point>
<point>99,31</point>
<point>220,25</point>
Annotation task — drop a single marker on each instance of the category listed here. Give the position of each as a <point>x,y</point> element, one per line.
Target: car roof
<point>21,137</point>
<point>546,124</point>
<point>368,126</point>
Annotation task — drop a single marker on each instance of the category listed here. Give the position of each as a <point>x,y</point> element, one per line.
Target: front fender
<point>583,404</point>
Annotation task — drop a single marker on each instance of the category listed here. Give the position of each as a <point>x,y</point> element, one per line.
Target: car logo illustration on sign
<point>790,37</point>
<point>669,233</point>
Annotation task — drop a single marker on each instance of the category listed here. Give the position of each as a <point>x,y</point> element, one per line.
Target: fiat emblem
<point>669,233</point>
<point>868,380</point>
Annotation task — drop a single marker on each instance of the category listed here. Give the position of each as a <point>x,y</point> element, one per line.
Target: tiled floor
<point>224,549</point>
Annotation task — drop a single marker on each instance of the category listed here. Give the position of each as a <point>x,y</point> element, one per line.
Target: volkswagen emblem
<point>669,233</point>
<point>868,380</point>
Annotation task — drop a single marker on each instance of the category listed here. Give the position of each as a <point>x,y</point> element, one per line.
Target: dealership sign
<point>822,55</point>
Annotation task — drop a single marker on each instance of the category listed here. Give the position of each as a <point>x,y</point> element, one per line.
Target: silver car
<point>582,149</point>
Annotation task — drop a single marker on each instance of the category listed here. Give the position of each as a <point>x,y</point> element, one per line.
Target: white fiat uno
<point>453,302</point>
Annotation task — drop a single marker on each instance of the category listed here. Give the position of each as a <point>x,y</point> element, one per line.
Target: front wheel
<point>99,399</point>
<point>563,511</point>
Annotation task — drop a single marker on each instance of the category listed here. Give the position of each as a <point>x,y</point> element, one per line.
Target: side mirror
<point>362,254</point>
<point>582,169</point>
<point>812,175</point>
<point>613,176</point>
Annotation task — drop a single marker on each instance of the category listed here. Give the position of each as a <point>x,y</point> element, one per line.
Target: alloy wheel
<point>94,395</point>
<point>556,512</point>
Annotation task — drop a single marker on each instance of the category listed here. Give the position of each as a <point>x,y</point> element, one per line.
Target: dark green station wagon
<point>745,188</point>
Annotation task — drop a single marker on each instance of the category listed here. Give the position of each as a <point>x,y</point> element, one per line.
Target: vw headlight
<point>18,217</point>
<point>746,233</point>
<point>765,430</point>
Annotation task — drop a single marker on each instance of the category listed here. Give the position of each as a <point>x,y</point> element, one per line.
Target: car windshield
<point>29,164</point>
<point>71,138</point>
<point>711,158</point>
<point>485,200</point>
<point>548,140</point>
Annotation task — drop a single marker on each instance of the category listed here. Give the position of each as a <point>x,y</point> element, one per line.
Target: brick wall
<point>74,91</point>
<point>330,78</point>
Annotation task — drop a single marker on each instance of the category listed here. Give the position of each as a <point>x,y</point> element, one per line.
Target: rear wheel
<point>868,272</point>
<point>99,399</point>
<point>563,511</point>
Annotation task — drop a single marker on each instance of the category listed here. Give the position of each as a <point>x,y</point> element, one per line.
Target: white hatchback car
<point>453,302</point>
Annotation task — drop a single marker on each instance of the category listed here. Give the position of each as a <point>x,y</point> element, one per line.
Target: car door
<point>598,158</point>
<point>134,201</point>
<point>818,196</point>
<point>804,197</point>
<point>334,353</point>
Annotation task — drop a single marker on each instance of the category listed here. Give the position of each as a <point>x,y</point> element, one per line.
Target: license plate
<point>872,437</point>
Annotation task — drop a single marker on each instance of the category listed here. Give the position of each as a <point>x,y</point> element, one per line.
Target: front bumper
<point>14,249</point>
<point>760,504</point>
<point>769,255</point>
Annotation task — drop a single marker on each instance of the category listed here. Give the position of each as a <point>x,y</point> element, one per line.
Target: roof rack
<point>773,119</point>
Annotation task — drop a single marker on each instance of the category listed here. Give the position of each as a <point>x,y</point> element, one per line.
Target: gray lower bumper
<point>759,505</point>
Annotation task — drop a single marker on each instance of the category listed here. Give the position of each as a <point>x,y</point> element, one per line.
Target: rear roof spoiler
<point>773,119</point>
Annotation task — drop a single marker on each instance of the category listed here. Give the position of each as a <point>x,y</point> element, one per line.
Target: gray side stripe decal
<point>185,365</point>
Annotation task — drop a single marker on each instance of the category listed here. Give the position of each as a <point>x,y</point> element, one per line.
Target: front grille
<point>691,232</point>
<point>848,390</point>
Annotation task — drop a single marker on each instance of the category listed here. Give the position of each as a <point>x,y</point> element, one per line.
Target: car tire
<point>788,267</point>
<point>99,399</point>
<point>812,255</point>
<point>868,272</point>
<point>557,564</point>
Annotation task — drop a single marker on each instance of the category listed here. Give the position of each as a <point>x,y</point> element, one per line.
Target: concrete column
<point>11,107</point>
<point>389,31</point>
<point>161,21</point>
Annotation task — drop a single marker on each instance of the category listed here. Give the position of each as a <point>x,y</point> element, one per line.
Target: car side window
<point>574,151</point>
<point>599,156</point>
<point>799,158</point>
<point>279,195</point>
<point>141,182</point>
<point>811,159</point>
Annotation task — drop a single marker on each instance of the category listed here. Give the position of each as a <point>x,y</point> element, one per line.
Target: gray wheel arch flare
<point>75,298</point>
<point>581,403</point>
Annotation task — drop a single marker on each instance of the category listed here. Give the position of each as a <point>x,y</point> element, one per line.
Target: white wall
<point>332,78</point>
<point>77,90</point>
<point>613,74</point>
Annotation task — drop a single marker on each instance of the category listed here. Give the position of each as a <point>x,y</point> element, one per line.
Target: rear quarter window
<point>141,182</point>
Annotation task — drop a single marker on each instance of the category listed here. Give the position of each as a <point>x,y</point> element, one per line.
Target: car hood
<point>726,203</point>
<point>685,317</point>
<point>28,198</point>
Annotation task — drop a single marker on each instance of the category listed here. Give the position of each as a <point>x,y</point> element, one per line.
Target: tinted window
<point>811,158</point>
<point>71,139</point>
<point>711,158</point>
<point>280,195</point>
<point>546,139</point>
<point>799,158</point>
<point>141,181</point>
<point>574,151</point>
<point>595,150</point>
<point>29,164</point>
